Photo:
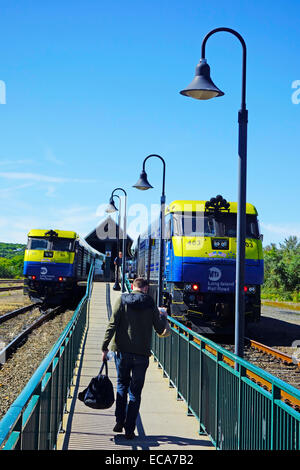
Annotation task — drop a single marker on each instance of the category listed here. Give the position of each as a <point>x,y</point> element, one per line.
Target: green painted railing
<point>127,284</point>
<point>237,412</point>
<point>34,419</point>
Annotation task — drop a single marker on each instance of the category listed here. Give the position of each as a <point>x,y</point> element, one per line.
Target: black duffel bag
<point>100,393</point>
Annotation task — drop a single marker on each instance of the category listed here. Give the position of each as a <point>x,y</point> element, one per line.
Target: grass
<point>280,298</point>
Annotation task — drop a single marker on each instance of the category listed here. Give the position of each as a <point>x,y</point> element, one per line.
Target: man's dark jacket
<point>133,317</point>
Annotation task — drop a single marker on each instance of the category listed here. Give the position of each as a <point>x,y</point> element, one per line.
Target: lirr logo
<point>215,274</point>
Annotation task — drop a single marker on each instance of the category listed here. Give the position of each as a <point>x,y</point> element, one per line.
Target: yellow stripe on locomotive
<point>201,245</point>
<point>38,254</point>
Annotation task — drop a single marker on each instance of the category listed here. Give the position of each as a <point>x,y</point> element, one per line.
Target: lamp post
<point>143,184</point>
<point>112,208</point>
<point>203,88</point>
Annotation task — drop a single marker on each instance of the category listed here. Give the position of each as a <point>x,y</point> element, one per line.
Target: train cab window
<point>226,224</point>
<point>194,225</point>
<point>62,244</point>
<point>198,224</point>
<point>252,227</point>
<point>37,244</point>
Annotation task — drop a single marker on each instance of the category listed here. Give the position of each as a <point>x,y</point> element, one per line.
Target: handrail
<point>239,405</point>
<point>126,281</point>
<point>54,375</point>
<point>241,362</point>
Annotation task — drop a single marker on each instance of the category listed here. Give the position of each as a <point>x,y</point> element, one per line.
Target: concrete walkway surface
<point>162,424</point>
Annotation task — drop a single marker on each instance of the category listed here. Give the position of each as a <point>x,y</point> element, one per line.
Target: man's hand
<point>104,355</point>
<point>163,312</point>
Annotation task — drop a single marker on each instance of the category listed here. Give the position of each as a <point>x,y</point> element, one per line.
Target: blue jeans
<point>131,370</point>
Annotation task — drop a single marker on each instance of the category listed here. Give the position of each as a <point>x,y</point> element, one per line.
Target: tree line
<point>11,260</point>
<point>282,270</point>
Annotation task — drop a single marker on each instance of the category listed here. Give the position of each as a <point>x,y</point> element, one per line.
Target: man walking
<point>134,315</point>
<point>118,264</point>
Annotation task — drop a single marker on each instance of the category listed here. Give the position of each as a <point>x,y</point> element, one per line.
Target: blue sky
<point>92,88</point>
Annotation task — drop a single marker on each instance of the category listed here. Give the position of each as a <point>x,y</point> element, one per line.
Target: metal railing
<point>237,404</point>
<point>34,419</point>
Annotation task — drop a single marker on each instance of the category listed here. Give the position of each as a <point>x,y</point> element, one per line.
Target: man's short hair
<point>140,282</point>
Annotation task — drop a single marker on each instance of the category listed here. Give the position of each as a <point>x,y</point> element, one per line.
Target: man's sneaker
<point>118,427</point>
<point>129,435</point>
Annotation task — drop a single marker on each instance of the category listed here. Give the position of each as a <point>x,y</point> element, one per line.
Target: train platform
<point>163,423</point>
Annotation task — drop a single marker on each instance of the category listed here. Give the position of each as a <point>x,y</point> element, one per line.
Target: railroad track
<point>273,361</point>
<point>4,289</point>
<point>17,284</point>
<point>274,353</point>
<point>9,348</point>
<point>14,313</point>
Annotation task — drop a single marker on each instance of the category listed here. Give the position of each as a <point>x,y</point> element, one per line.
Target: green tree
<point>282,265</point>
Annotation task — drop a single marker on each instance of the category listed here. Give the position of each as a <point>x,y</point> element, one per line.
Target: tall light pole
<point>143,184</point>
<point>112,208</point>
<point>203,88</point>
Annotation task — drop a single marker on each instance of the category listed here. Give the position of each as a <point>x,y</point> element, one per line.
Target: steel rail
<point>4,289</point>
<point>285,358</point>
<point>6,352</point>
<point>19,311</point>
<point>13,281</point>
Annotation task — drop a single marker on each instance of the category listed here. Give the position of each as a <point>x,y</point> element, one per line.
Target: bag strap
<point>102,367</point>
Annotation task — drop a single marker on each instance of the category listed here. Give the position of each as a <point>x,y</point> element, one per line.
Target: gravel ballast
<point>19,368</point>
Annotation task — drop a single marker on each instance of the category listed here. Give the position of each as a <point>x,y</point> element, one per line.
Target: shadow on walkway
<point>144,442</point>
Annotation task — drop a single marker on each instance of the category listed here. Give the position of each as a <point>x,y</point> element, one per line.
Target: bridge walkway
<point>162,424</point>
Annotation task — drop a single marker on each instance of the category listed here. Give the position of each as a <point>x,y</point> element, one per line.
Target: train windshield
<point>194,225</point>
<point>227,225</point>
<point>62,244</point>
<point>58,244</point>
<point>198,224</point>
<point>37,244</point>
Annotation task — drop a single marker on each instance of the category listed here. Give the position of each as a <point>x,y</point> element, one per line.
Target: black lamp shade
<point>111,206</point>
<point>143,183</point>
<point>202,87</point>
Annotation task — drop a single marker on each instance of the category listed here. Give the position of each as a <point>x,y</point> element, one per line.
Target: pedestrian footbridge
<point>163,422</point>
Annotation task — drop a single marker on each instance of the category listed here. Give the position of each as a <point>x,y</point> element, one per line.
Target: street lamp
<point>112,208</point>
<point>143,184</point>
<point>203,88</point>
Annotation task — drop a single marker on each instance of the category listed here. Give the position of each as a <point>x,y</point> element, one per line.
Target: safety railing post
<point>240,418</point>
<point>200,386</point>
<point>218,358</point>
<point>170,360</point>
<point>189,375</point>
<point>178,365</point>
<point>274,425</point>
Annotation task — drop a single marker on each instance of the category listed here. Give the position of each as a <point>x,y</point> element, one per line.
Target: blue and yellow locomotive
<point>200,260</point>
<point>56,262</point>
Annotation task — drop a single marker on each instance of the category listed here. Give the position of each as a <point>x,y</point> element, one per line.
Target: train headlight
<point>194,287</point>
<point>250,289</point>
